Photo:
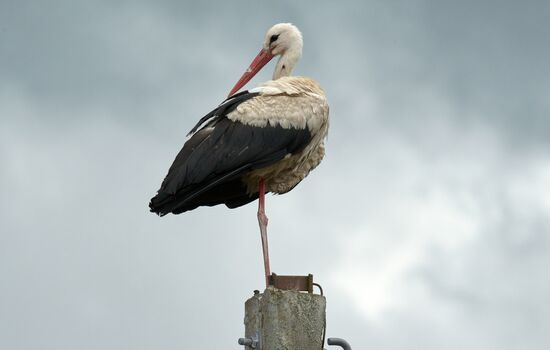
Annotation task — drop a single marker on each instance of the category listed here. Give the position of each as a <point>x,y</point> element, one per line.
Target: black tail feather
<point>232,193</point>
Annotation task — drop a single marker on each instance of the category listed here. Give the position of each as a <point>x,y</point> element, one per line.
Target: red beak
<point>261,60</point>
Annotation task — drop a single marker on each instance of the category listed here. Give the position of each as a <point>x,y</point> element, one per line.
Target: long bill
<point>261,60</point>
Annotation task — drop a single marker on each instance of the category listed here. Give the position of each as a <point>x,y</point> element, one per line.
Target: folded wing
<point>209,167</point>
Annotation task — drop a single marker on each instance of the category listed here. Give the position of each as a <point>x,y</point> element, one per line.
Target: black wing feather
<point>208,169</point>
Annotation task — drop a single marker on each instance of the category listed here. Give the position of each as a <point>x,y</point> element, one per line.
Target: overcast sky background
<point>428,222</point>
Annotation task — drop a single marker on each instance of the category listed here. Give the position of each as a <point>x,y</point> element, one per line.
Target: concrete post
<point>285,320</point>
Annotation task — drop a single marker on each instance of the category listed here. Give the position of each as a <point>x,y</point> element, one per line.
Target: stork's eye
<point>273,38</point>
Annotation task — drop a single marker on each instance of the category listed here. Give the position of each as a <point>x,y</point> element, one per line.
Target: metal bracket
<point>253,342</point>
<point>299,283</point>
<point>339,342</point>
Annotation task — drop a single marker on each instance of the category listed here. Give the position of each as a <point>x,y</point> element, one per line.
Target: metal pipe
<point>339,342</point>
<point>253,342</point>
<point>245,341</point>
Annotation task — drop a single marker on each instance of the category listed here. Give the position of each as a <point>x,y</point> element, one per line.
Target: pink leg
<point>262,220</point>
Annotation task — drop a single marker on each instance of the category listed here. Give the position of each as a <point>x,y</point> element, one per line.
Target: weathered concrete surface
<point>286,320</point>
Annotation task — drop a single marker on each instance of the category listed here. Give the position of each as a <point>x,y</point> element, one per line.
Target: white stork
<point>266,139</point>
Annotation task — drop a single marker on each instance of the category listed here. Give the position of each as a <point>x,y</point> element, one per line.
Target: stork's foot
<point>262,220</point>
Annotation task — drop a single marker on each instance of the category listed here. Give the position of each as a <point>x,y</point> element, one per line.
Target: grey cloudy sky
<point>428,223</point>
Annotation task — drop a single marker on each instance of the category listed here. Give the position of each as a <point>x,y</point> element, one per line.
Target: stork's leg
<point>262,220</point>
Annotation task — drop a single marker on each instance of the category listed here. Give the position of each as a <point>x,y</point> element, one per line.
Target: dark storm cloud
<point>488,60</point>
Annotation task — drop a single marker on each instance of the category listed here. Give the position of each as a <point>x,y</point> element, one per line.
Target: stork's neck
<point>286,63</point>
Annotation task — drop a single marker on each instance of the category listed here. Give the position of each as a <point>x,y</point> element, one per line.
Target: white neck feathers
<point>286,63</point>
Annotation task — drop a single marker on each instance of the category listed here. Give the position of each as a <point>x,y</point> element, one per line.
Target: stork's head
<point>284,40</point>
